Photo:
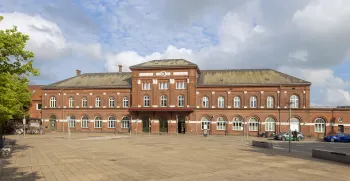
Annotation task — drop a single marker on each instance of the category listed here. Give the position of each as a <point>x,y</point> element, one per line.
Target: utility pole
<point>290,131</point>
<point>177,126</point>
<point>130,125</point>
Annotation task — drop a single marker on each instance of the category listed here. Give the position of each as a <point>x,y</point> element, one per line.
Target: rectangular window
<point>111,123</point>
<point>237,125</point>
<point>125,123</point>
<point>98,123</point>
<point>163,86</point>
<point>180,85</point>
<point>221,125</point>
<point>205,123</point>
<point>38,106</point>
<point>146,101</point>
<point>84,123</point>
<point>146,86</point>
<point>71,123</point>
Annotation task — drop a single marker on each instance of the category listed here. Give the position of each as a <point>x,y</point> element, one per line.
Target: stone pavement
<point>53,157</point>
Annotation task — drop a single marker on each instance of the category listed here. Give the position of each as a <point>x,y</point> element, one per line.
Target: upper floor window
<point>181,101</point>
<point>146,86</point>
<point>98,102</point>
<point>253,102</point>
<point>84,102</point>
<point>205,102</point>
<point>237,102</point>
<point>163,101</point>
<point>125,102</point>
<point>146,101</point>
<point>53,102</point>
<point>221,102</point>
<point>294,101</point>
<point>180,85</point>
<point>163,85</point>
<point>270,102</point>
<point>38,106</point>
<point>71,102</point>
<point>111,102</point>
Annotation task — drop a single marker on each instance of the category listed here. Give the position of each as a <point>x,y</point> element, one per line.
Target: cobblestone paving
<point>53,157</point>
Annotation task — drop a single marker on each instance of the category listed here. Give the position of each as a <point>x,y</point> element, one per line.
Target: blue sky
<point>306,39</point>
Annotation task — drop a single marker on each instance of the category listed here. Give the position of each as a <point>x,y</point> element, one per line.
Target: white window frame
<point>125,102</point>
<point>294,101</point>
<point>237,124</point>
<point>270,124</point>
<point>98,122</point>
<point>221,124</point>
<point>53,102</point>
<point>111,101</point>
<point>180,85</point>
<point>146,101</point>
<point>84,122</point>
<point>146,86</point>
<point>205,121</point>
<point>111,122</point>
<point>253,124</point>
<point>253,102</point>
<point>71,102</point>
<point>237,102</point>
<point>37,106</point>
<point>98,102</point>
<point>205,102</point>
<point>125,122</point>
<point>163,85</point>
<point>221,102</point>
<point>270,102</point>
<point>163,101</point>
<point>84,102</point>
<point>181,101</point>
<point>71,122</point>
<point>320,125</point>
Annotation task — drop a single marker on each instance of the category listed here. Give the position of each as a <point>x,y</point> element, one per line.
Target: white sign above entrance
<point>180,73</point>
<point>162,73</point>
<point>145,74</point>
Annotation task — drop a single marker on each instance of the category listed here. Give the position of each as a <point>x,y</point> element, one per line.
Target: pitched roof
<point>246,77</point>
<point>94,80</point>
<point>168,63</point>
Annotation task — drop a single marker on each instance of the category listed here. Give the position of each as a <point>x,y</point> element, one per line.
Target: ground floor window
<point>270,124</point>
<point>221,124</point>
<point>111,122</point>
<point>98,122</point>
<point>253,124</point>
<point>319,125</point>
<point>84,122</point>
<point>205,123</point>
<point>71,122</point>
<point>237,124</point>
<point>125,122</point>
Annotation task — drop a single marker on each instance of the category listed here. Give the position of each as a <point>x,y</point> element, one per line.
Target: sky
<point>308,39</point>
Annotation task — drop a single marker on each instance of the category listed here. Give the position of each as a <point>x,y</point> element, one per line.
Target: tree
<point>16,64</point>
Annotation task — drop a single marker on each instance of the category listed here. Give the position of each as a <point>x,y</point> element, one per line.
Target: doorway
<point>340,128</point>
<point>181,126</point>
<point>53,125</point>
<point>163,125</point>
<point>145,125</point>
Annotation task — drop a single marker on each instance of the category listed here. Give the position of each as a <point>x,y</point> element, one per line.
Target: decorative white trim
<point>245,106</point>
<point>64,94</point>
<point>64,106</point>
<point>145,74</point>
<point>212,106</point>
<point>104,121</point>
<point>90,106</point>
<point>77,120</point>
<point>262,107</point>
<point>137,106</point>
<point>155,81</point>
<point>138,81</point>
<point>197,92</point>
<point>104,93</point>
<point>228,92</point>
<point>90,93</point>
<point>197,106</point>
<point>77,93</point>
<point>188,80</point>
<point>104,107</point>
<point>76,106</point>
<point>213,92</point>
<point>45,94</point>
<point>304,107</point>
<point>91,121</point>
<point>304,92</point>
<point>285,92</point>
<point>45,106</point>
<point>261,92</point>
<point>278,107</point>
<point>285,106</point>
<point>118,93</point>
<point>119,106</point>
<point>278,92</point>
<point>188,106</point>
<point>228,106</point>
<point>172,106</point>
<point>180,73</point>
<point>59,106</point>
<point>46,120</point>
<point>154,105</point>
<point>245,92</point>
<point>172,81</point>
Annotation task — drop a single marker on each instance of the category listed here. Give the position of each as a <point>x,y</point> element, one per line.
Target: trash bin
<point>205,132</point>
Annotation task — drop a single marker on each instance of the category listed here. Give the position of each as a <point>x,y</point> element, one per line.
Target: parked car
<point>340,137</point>
<point>285,136</point>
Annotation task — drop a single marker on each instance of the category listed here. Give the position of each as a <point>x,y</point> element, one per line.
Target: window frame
<point>71,122</point>
<point>221,124</point>
<point>37,106</point>
<point>146,86</point>
<point>112,122</point>
<point>125,101</point>
<point>165,100</point>
<point>320,127</point>
<point>237,124</point>
<point>235,100</point>
<point>163,86</point>
<point>83,121</point>
<point>270,102</point>
<point>99,121</point>
<point>111,101</point>
<point>252,124</point>
<point>253,102</point>
<point>84,100</point>
<point>221,102</point>
<point>270,124</point>
<point>71,102</point>
<point>125,123</point>
<point>180,84</point>
<point>181,99</point>
<point>294,101</point>
<point>53,102</point>
<point>205,121</point>
<point>98,102</point>
<point>146,100</point>
<point>206,102</point>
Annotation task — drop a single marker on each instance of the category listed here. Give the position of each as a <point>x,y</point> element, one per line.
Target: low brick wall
<point>330,155</point>
<point>262,144</point>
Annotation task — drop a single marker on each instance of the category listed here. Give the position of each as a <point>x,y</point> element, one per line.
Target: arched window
<point>221,102</point>
<point>98,102</point>
<point>71,122</point>
<point>237,124</point>
<point>84,102</point>
<point>320,125</point>
<point>221,124</point>
<point>125,122</point>
<point>253,102</point>
<point>163,101</point>
<point>84,122</point>
<point>98,122</point>
<point>111,122</point>
<point>270,102</point>
<point>71,102</point>
<point>253,124</point>
<point>52,102</point>
<point>205,102</point>
<point>237,102</point>
<point>294,101</point>
<point>146,101</point>
<point>181,101</point>
<point>111,102</point>
<point>205,123</point>
<point>125,102</point>
<point>270,124</point>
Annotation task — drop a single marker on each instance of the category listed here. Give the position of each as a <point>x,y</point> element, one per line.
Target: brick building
<point>169,96</point>
<point>35,107</point>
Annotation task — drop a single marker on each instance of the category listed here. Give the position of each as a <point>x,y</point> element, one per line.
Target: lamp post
<point>290,131</point>
<point>177,125</point>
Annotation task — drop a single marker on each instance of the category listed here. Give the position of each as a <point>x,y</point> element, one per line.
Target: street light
<point>290,130</point>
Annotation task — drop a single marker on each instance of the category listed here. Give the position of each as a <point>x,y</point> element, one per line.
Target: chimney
<point>78,72</point>
<point>120,68</point>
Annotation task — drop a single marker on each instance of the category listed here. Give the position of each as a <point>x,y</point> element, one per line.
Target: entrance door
<point>294,124</point>
<point>145,125</point>
<point>163,125</point>
<point>181,126</point>
<point>340,128</point>
<point>53,122</point>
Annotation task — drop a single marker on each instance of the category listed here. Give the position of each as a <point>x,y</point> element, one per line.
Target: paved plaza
<point>158,157</point>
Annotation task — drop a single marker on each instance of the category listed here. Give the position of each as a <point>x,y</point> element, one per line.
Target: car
<point>339,137</point>
<point>285,136</point>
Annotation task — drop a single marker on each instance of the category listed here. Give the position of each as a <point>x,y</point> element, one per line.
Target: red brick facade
<point>191,112</point>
